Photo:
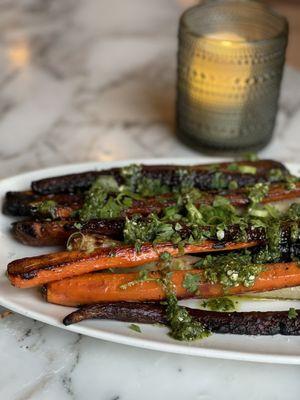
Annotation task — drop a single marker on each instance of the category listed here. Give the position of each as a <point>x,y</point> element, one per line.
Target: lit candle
<point>230,61</point>
<point>226,37</point>
<point>219,84</point>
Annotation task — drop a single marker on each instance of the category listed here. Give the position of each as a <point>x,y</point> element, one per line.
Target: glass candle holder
<point>230,60</point>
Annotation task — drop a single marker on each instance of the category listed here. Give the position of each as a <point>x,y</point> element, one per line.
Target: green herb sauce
<point>230,270</point>
<point>182,325</point>
<point>222,304</point>
<point>47,208</point>
<point>191,283</point>
<point>292,314</point>
<point>135,328</point>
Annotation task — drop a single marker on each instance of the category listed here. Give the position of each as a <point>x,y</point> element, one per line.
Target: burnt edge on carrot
<point>238,323</point>
<point>52,233</point>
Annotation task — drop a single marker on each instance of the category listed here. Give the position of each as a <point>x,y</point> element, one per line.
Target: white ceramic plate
<point>277,349</point>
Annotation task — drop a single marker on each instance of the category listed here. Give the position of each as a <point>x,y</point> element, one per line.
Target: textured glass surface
<point>230,61</point>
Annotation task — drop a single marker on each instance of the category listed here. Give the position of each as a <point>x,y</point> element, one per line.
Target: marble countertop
<point>94,80</point>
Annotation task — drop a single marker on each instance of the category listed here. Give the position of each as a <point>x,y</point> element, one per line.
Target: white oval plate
<point>276,349</point>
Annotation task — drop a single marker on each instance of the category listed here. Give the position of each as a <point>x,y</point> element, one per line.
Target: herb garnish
<point>292,314</point>
<point>135,328</point>
<point>243,169</point>
<point>223,304</point>
<point>191,282</point>
<point>182,325</point>
<point>98,200</point>
<point>46,208</point>
<point>230,270</point>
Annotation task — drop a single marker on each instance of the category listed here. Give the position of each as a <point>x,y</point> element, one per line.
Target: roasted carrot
<point>19,203</point>
<point>34,271</point>
<point>103,287</point>
<point>238,323</point>
<point>42,233</point>
<point>203,176</point>
<point>52,233</point>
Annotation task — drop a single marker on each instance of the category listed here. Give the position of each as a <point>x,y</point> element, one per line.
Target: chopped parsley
<point>182,325</point>
<point>230,270</point>
<point>99,203</point>
<point>223,304</point>
<point>46,208</point>
<point>78,225</point>
<point>165,256</point>
<point>191,282</point>
<point>292,314</point>
<point>219,180</point>
<point>258,192</point>
<point>242,168</point>
<point>135,328</point>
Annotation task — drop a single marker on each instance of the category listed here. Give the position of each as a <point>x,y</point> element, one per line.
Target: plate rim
<point>133,340</point>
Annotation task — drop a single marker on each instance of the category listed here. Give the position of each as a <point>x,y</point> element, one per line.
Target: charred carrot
<point>53,233</point>
<point>238,323</point>
<point>104,287</point>
<point>203,176</point>
<point>27,203</point>
<point>34,271</point>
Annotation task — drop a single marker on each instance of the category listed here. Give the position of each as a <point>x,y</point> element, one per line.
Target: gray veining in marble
<point>94,80</point>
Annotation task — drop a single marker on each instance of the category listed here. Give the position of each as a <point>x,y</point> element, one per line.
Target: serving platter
<point>29,302</point>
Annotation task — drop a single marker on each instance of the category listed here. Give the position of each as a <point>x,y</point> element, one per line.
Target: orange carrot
<point>34,271</point>
<point>104,287</point>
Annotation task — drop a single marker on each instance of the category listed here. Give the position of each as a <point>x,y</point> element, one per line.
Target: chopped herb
<point>243,169</point>
<point>194,215</point>
<point>186,178</point>
<point>219,181</point>
<point>99,204</point>
<point>220,304</point>
<point>233,167</point>
<point>182,325</point>
<point>258,192</point>
<point>293,212</point>
<point>47,208</point>
<point>220,201</point>
<point>165,256</point>
<point>230,270</point>
<point>191,282</point>
<point>276,174</point>
<point>292,314</point>
<point>258,212</point>
<point>131,174</point>
<point>135,328</point>
<point>77,225</point>
<point>147,187</point>
<point>233,185</point>
<point>135,182</point>
<point>247,169</point>
<point>172,213</point>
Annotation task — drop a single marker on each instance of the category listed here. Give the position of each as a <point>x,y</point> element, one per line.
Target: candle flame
<point>19,54</point>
